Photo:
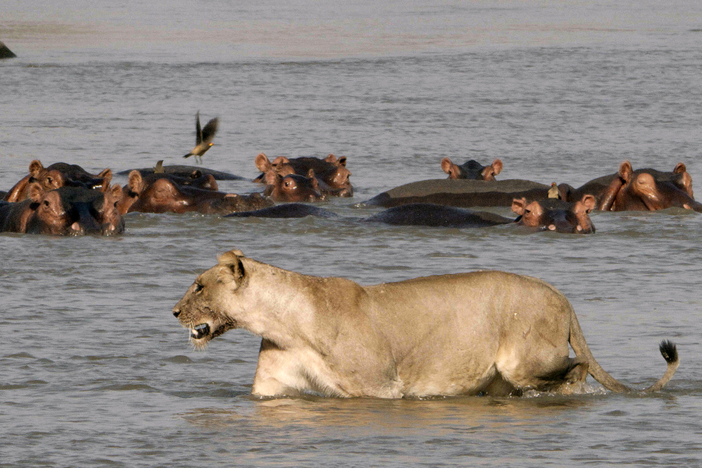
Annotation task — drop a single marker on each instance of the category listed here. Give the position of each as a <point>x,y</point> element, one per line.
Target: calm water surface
<point>97,372</point>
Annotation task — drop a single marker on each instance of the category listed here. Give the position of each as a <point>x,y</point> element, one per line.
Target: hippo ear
<point>680,168</point>
<point>313,179</point>
<point>330,158</point>
<point>280,160</point>
<point>271,177</point>
<point>36,192</point>
<point>496,166</point>
<point>35,167</point>
<point>136,183</point>
<point>625,171</point>
<point>519,206</point>
<point>588,202</point>
<point>446,165</point>
<point>107,176</point>
<point>262,163</point>
<point>341,161</point>
<point>115,191</point>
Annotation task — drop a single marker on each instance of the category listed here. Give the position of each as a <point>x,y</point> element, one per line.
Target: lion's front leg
<point>276,373</point>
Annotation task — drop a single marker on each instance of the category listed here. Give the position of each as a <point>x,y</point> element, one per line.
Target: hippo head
<point>48,179</point>
<point>74,211</point>
<point>653,190</point>
<point>76,176</point>
<point>338,177</point>
<point>556,215</point>
<point>280,165</point>
<point>292,187</point>
<point>471,170</point>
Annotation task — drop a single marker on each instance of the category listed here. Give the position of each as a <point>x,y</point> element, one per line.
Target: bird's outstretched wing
<point>209,131</point>
<point>198,130</point>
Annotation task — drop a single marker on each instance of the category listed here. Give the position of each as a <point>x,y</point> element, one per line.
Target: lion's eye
<point>198,287</point>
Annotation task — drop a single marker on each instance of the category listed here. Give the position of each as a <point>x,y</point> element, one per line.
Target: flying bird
<point>203,137</point>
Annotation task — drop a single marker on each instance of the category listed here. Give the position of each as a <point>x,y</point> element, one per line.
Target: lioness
<point>486,332</point>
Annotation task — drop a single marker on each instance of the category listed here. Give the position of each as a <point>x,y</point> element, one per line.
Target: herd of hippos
<point>65,199</point>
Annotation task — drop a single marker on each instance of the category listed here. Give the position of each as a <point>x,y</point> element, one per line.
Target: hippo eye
<point>46,202</point>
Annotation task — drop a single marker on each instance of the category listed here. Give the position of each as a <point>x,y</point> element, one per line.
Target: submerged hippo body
<point>472,169</point>
<point>641,189</point>
<point>188,172</point>
<point>64,211</point>
<point>165,196</point>
<point>461,193</point>
<point>426,214</point>
<point>287,210</point>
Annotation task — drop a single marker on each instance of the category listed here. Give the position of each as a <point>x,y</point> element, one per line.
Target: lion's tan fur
<point>485,332</point>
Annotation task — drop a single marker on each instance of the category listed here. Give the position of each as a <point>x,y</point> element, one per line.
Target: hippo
<point>461,193</point>
<point>332,175</point>
<point>55,176</point>
<point>552,215</point>
<point>187,172</point>
<point>287,210</point>
<point>5,52</point>
<point>556,215</point>
<point>292,187</point>
<point>64,211</point>
<point>643,189</point>
<point>163,195</point>
<point>471,169</point>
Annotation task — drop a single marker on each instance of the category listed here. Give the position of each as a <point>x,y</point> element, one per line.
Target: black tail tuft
<point>669,351</point>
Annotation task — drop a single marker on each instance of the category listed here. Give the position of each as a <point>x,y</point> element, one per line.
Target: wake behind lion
<point>486,332</point>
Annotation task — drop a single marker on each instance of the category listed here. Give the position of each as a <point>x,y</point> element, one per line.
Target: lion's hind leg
<point>552,373</point>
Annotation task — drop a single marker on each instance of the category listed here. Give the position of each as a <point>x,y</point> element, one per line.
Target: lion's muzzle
<point>200,331</point>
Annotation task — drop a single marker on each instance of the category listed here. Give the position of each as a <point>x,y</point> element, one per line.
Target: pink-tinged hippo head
<point>292,187</point>
<point>556,215</point>
<point>65,211</point>
<point>471,170</point>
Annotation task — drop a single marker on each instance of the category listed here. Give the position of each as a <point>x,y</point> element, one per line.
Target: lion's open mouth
<point>200,331</point>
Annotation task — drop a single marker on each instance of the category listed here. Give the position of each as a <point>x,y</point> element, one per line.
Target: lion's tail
<point>579,345</point>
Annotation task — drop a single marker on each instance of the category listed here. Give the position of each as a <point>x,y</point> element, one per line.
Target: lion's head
<point>203,308</point>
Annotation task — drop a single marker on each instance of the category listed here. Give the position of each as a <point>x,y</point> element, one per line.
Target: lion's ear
<point>232,260</point>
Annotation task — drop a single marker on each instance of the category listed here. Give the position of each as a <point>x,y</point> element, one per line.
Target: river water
<point>97,372</point>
